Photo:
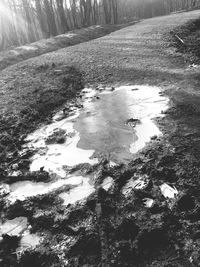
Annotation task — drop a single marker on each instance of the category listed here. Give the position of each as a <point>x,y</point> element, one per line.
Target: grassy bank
<point>186,39</point>
<point>18,54</point>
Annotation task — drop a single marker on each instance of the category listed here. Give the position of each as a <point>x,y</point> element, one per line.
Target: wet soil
<point>36,100</point>
<point>116,229</point>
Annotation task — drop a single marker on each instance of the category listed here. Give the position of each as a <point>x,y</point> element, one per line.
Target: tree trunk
<point>50,18</point>
<point>41,17</point>
<point>106,8</point>
<point>115,11</point>
<point>31,34</point>
<point>73,11</point>
<point>62,16</point>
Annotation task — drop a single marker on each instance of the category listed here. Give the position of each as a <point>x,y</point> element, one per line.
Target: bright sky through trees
<point>25,21</point>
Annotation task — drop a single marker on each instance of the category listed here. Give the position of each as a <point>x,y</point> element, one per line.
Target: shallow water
<point>78,193</point>
<point>19,227</point>
<point>14,227</point>
<point>102,123</point>
<point>53,157</point>
<point>98,129</point>
<point>28,240</point>
<point>24,189</point>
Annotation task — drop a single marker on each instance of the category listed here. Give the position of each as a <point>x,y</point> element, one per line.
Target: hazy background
<point>25,21</point>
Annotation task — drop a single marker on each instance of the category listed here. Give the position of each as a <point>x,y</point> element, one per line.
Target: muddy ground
<point>111,229</point>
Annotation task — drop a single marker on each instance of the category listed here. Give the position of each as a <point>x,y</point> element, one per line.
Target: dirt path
<point>134,54</point>
<point>166,234</point>
<point>18,54</point>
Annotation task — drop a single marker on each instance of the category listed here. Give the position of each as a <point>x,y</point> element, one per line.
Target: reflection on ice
<point>100,127</point>
<point>19,227</point>
<point>96,127</point>
<point>14,227</point>
<point>102,123</point>
<point>78,193</point>
<point>24,189</point>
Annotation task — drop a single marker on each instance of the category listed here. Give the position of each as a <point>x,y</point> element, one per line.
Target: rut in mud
<point>110,123</point>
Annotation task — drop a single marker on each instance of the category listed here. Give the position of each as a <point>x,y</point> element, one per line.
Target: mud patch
<point>98,128</point>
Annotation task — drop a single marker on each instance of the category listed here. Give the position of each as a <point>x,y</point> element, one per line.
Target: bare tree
<point>23,21</point>
<point>41,17</point>
<point>107,11</point>
<point>52,29</point>
<point>63,18</point>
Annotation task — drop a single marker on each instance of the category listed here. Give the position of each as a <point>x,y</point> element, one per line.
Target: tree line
<point>26,21</point>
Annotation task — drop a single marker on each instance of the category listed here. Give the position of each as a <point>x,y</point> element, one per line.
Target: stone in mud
<point>57,137</point>
<point>168,191</point>
<point>133,122</point>
<point>107,183</point>
<point>58,72</point>
<point>4,190</point>
<point>66,110</point>
<point>154,137</point>
<point>148,202</point>
<point>137,184</point>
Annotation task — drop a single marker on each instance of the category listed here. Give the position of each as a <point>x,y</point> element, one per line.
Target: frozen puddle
<point>111,122</point>
<point>14,227</point>
<point>54,156</point>
<point>19,227</point>
<point>28,240</point>
<point>100,128</point>
<point>103,124</point>
<point>78,193</point>
<point>24,189</point>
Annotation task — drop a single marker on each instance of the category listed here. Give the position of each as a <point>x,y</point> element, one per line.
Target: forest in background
<point>26,21</point>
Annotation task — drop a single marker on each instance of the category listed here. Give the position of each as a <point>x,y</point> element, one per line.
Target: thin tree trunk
<point>31,34</point>
<point>62,16</point>
<point>41,17</point>
<point>50,18</point>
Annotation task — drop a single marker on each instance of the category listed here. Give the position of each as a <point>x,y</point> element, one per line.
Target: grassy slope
<point>18,54</point>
